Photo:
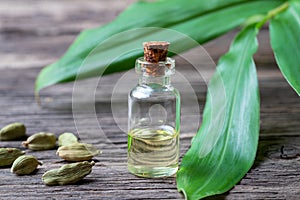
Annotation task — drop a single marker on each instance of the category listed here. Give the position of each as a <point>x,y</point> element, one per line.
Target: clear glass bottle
<point>153,119</point>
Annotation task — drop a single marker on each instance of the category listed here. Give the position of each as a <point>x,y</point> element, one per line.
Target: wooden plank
<point>271,177</point>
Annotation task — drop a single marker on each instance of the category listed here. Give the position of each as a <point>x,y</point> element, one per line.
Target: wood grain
<point>36,33</point>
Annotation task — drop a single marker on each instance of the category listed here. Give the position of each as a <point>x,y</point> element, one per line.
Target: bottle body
<point>153,127</point>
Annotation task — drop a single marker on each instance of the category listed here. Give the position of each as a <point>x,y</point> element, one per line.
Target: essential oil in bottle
<point>154,115</point>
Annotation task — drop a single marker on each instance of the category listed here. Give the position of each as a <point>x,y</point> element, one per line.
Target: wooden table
<point>36,33</point>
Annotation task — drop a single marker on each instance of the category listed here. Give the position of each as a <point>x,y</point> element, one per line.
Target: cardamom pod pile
<point>70,149</point>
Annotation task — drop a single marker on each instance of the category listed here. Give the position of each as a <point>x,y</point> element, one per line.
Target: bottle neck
<point>155,73</point>
<point>160,80</point>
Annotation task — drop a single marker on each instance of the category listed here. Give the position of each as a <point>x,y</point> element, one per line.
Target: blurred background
<point>36,33</point>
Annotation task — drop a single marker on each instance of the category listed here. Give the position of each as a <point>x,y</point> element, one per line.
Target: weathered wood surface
<point>35,33</point>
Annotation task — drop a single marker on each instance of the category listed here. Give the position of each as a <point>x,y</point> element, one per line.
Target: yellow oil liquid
<point>153,152</point>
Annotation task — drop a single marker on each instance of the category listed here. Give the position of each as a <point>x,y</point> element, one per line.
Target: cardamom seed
<point>68,173</point>
<point>24,165</point>
<point>77,152</point>
<point>66,139</point>
<point>9,155</point>
<point>13,132</point>
<point>40,141</point>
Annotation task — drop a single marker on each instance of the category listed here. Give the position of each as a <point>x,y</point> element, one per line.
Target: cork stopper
<point>155,57</point>
<point>155,51</point>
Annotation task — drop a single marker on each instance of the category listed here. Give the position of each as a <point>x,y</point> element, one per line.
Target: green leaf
<point>225,147</point>
<point>201,20</point>
<point>285,42</point>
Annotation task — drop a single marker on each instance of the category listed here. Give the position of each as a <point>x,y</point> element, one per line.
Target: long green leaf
<point>225,147</point>
<point>201,20</point>
<point>285,42</point>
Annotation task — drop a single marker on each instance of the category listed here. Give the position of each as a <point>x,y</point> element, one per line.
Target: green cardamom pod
<point>40,141</point>
<point>25,165</point>
<point>68,173</point>
<point>9,155</point>
<point>66,139</point>
<point>13,132</point>
<point>77,152</point>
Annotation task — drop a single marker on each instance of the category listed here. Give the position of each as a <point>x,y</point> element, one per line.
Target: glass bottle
<point>154,115</point>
